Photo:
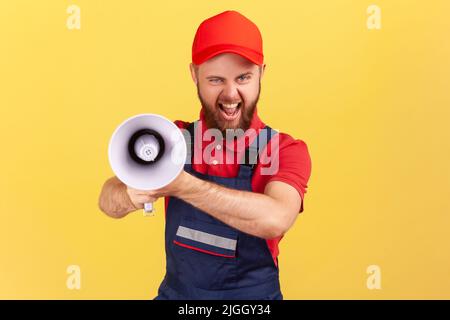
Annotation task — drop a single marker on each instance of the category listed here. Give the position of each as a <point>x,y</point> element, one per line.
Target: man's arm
<point>267,215</point>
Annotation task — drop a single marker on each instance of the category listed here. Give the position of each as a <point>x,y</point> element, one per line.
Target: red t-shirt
<point>294,164</point>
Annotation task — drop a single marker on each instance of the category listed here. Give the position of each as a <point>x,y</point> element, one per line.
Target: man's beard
<point>213,119</point>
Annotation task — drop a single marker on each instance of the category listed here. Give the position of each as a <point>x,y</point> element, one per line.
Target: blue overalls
<point>207,259</point>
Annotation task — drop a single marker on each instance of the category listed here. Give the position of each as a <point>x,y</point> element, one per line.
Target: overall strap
<point>189,136</point>
<point>252,153</point>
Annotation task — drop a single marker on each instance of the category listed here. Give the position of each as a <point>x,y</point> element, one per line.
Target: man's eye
<point>243,78</point>
<point>215,80</point>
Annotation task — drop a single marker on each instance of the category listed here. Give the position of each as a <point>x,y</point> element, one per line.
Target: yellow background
<point>372,106</point>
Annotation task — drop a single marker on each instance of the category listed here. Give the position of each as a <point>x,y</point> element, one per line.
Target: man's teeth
<point>230,106</point>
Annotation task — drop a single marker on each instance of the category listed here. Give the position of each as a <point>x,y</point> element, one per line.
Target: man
<point>224,219</point>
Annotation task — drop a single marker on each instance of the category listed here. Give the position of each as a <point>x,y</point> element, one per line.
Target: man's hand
<point>117,200</point>
<point>114,199</point>
<point>139,197</point>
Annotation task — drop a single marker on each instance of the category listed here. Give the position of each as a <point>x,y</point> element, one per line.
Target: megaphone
<point>147,152</point>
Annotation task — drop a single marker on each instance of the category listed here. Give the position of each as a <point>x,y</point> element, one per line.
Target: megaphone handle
<point>148,209</point>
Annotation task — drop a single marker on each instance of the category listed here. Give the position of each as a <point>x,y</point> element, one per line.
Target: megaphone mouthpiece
<point>146,146</point>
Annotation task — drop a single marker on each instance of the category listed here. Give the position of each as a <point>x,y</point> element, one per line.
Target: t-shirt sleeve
<point>181,124</point>
<point>294,164</point>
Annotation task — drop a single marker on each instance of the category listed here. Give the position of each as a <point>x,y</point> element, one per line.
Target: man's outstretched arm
<point>268,215</point>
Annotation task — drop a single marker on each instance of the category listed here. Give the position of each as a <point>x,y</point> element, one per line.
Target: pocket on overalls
<point>206,253</point>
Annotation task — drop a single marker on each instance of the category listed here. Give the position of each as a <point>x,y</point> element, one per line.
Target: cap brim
<point>209,53</point>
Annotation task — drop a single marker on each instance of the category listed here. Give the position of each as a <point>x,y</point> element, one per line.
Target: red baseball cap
<point>228,31</point>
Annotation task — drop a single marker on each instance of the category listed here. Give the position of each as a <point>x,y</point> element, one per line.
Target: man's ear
<point>262,69</point>
<point>193,69</point>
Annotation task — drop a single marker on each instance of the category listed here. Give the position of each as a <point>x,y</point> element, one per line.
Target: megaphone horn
<point>147,152</point>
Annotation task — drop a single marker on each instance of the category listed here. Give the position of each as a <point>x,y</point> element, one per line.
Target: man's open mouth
<point>230,111</point>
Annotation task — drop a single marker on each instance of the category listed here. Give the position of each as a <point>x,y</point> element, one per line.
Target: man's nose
<point>231,93</point>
